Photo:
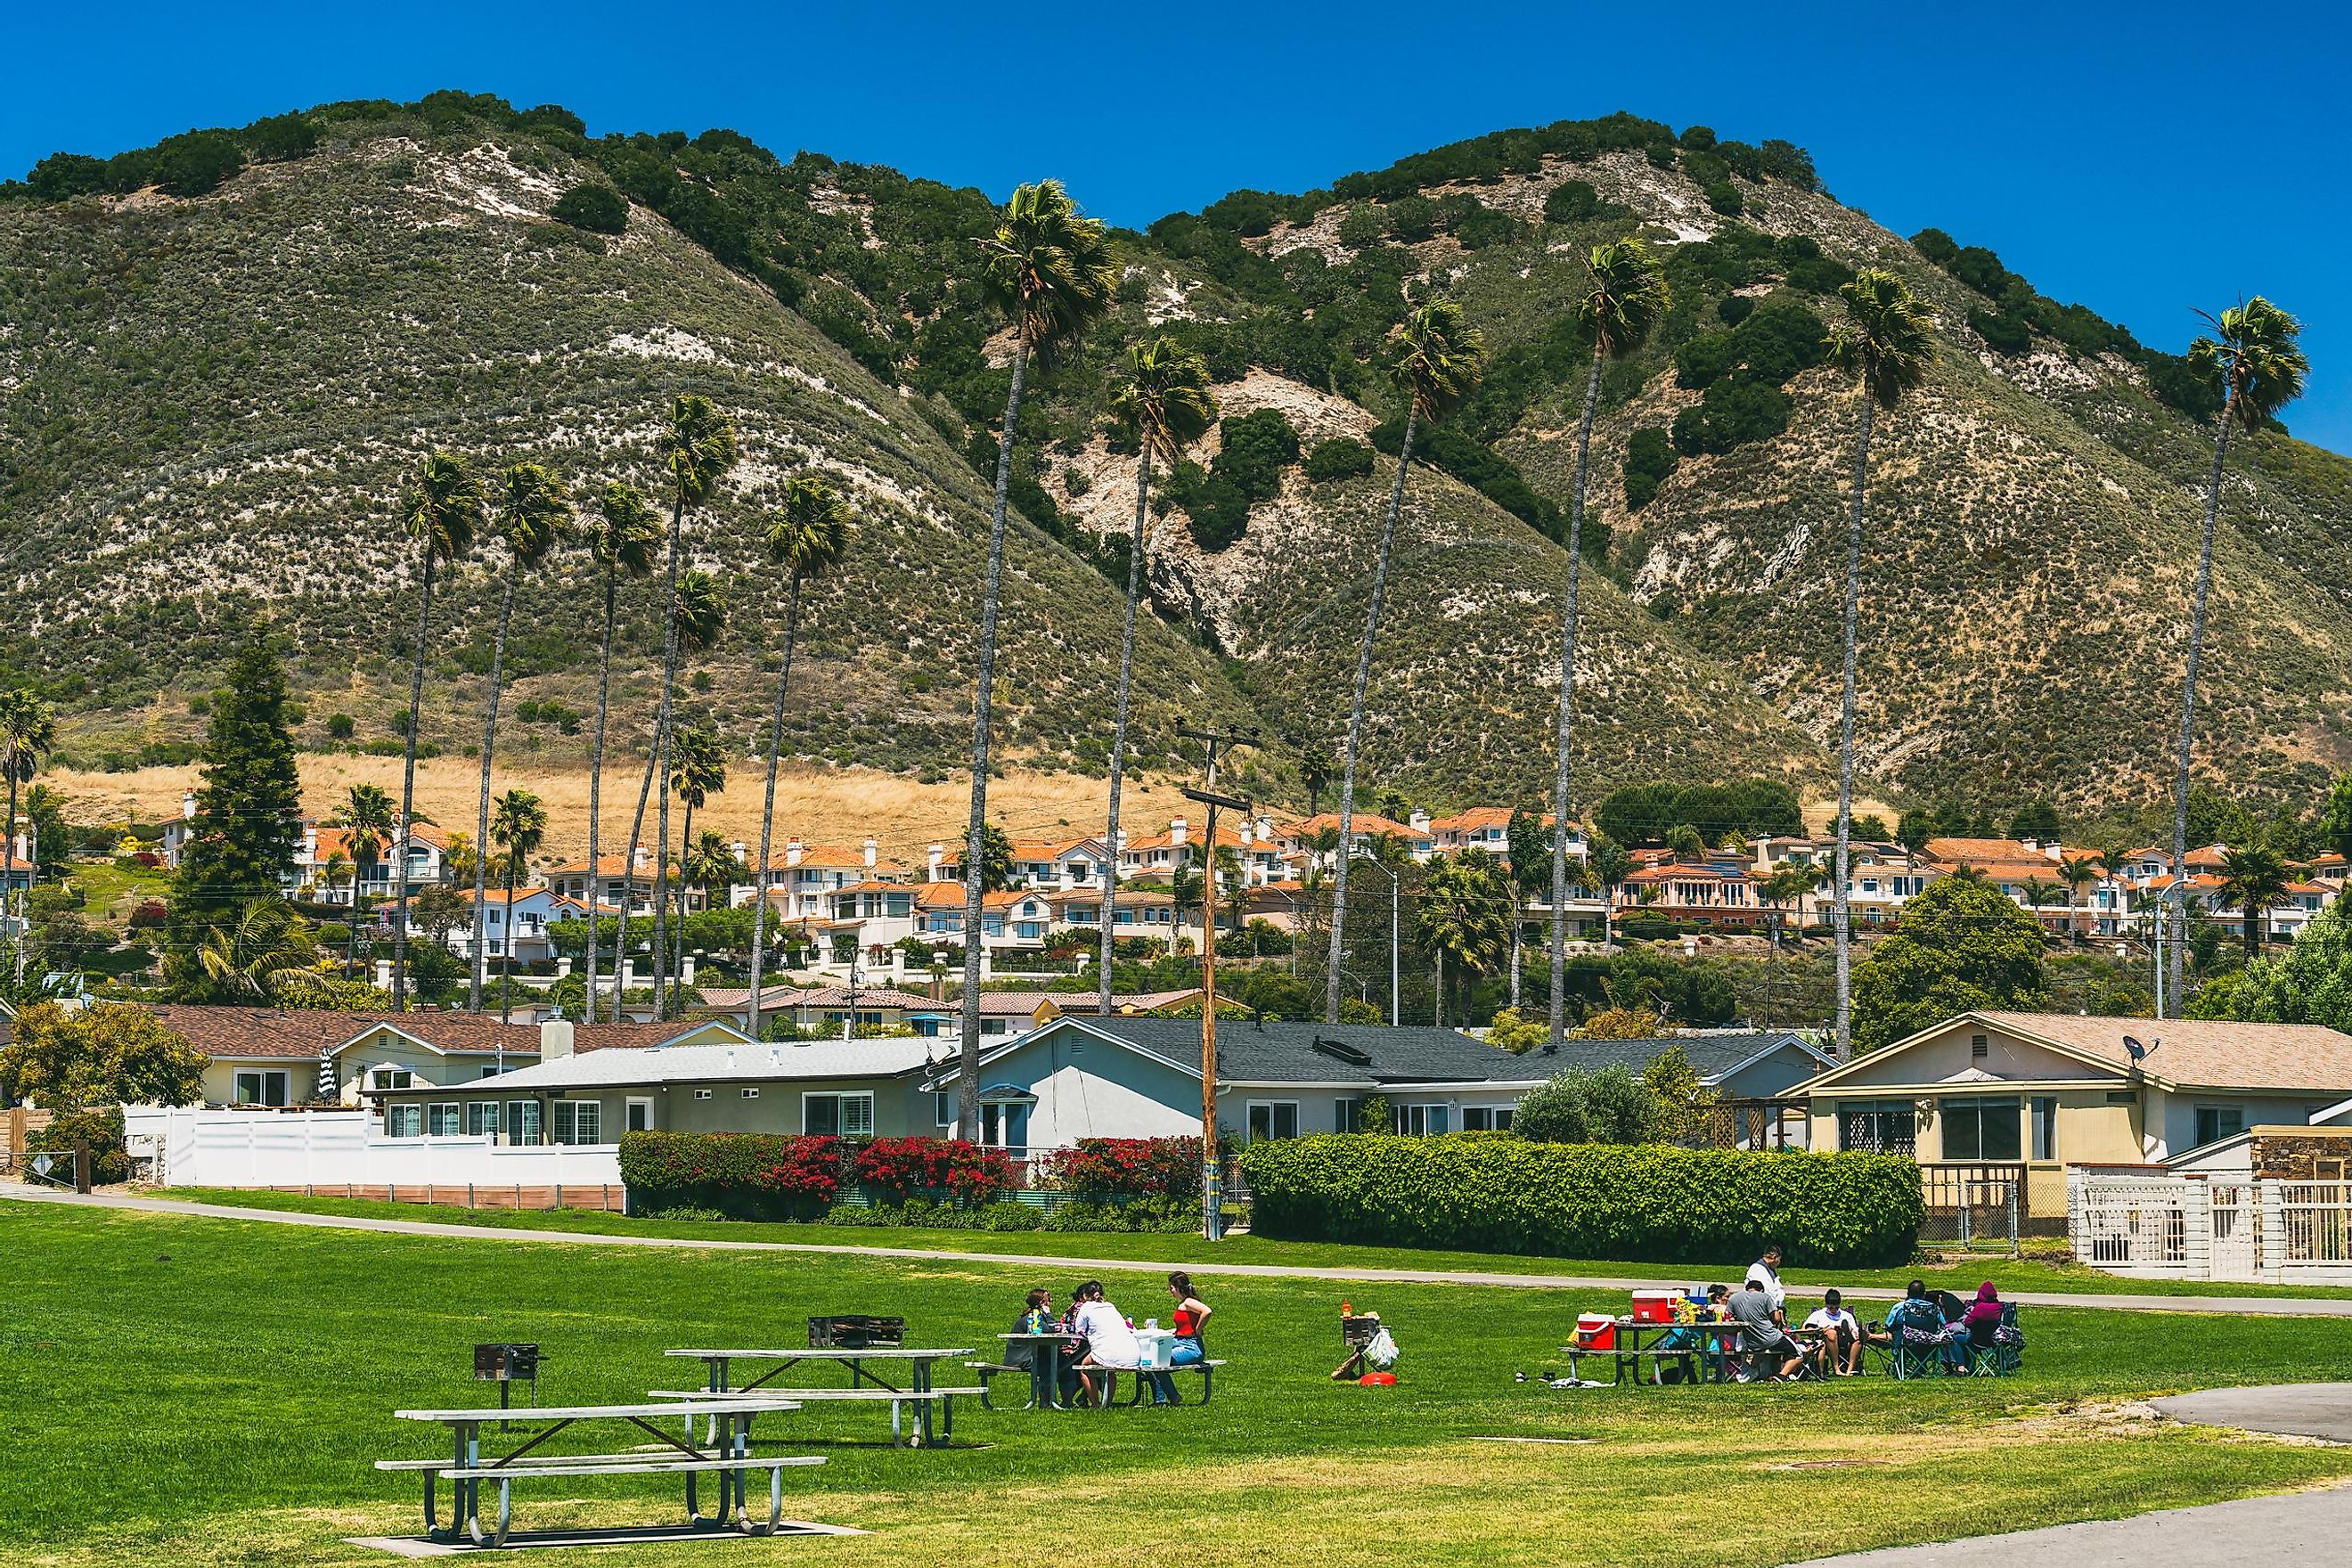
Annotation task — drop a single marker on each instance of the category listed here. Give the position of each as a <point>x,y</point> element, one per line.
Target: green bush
<point>1650,458</point>
<point>102,1125</point>
<point>1724,196</point>
<point>1574,201</point>
<point>1651,1203</point>
<point>2004,332</point>
<point>600,209</point>
<point>1341,457</point>
<point>1732,414</point>
<point>744,1175</point>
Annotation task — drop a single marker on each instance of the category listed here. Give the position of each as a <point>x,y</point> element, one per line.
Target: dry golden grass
<point>821,804</point>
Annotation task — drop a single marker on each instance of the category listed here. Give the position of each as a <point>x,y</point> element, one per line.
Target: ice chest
<point>1595,1331</point>
<point>1655,1306</point>
<point>1152,1348</point>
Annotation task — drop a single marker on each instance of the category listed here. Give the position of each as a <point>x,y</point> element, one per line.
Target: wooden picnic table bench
<point>726,1457</point>
<point>918,1392</point>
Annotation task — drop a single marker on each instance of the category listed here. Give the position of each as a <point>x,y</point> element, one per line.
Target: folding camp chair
<point>2004,1353</point>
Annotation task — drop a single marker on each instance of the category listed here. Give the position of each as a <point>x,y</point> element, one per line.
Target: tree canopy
<point>1961,944</point>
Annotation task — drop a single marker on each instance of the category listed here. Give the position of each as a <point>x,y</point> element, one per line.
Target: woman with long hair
<point>1191,1315</point>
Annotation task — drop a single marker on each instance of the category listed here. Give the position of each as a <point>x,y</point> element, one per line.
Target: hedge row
<point>1652,1202</point>
<point>1115,1170</point>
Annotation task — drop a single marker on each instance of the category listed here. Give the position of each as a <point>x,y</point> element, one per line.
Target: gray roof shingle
<point>1369,1054</point>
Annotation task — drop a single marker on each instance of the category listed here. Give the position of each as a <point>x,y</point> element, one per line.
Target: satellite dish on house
<point>2138,1052</point>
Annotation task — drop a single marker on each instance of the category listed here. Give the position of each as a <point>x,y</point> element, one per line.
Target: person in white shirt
<point>1840,1351</point>
<point>1765,1271</point>
<point>1110,1343</point>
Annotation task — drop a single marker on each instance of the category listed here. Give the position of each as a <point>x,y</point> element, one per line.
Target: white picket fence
<point>336,1151</point>
<point>2218,1229</point>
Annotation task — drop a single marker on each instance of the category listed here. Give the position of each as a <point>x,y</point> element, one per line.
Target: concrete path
<point>2300,1526</point>
<point>2273,1306</point>
<point>2295,1410</point>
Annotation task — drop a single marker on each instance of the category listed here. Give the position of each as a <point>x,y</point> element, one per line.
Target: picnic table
<point>919,1390</point>
<point>1045,1365</point>
<point>726,1456</point>
<point>1713,1352</point>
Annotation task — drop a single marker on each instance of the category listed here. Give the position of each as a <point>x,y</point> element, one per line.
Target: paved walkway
<point>2271,1305</point>
<point>2294,1528</point>
<point>2295,1410</point>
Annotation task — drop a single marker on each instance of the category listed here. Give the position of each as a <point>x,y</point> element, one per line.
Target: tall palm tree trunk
<point>684,844</point>
<point>506,976</point>
<point>661,754</point>
<point>2178,920</point>
<point>1356,721</point>
<point>1119,729</point>
<point>352,932</point>
<point>399,830</point>
<point>8,881</point>
<point>629,875</point>
<point>482,813</point>
<point>768,806</point>
<point>1842,912</point>
<point>967,1088</point>
<point>1518,915</point>
<point>1558,1018</point>
<point>596,791</point>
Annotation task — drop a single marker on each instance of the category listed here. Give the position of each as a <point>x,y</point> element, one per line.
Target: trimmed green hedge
<point>1654,1203</point>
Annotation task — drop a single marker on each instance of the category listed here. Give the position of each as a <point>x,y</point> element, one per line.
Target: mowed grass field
<point>193,1391</point>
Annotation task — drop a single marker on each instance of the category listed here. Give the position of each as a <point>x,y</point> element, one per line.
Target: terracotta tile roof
<point>1477,817</point>
<point>1982,851</point>
<point>727,999</point>
<point>606,866</point>
<point>1363,823</point>
<point>821,858</point>
<point>2203,1053</point>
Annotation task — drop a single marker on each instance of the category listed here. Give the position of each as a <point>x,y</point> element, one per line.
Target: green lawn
<point>194,1391</point>
<point>2011,1275</point>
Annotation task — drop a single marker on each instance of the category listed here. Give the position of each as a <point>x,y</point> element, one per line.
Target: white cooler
<point>1153,1347</point>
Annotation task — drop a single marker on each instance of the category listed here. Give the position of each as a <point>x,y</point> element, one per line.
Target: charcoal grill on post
<point>856,1332</point>
<point>506,1366</point>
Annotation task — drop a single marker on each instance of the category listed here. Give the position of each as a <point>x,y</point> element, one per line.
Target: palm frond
<point>1438,360</point>
<point>1628,298</point>
<point>1048,268</point>
<point>700,610</point>
<point>448,508</point>
<point>1885,337</point>
<point>697,445</point>
<point>810,533</point>
<point>632,534</point>
<point>1163,402</point>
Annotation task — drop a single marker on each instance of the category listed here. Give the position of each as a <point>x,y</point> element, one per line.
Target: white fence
<point>2219,1229</point>
<point>337,1151</point>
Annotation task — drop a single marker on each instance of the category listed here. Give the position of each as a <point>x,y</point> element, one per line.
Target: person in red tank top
<point>1191,1315</point>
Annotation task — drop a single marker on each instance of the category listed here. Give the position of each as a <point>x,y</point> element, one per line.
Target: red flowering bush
<point>746,1175</point>
<point>1117,1169</point>
<point>896,1168</point>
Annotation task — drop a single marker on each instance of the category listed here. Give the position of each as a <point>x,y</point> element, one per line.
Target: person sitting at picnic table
<point>1763,1332</point>
<point>1840,1351</point>
<point>1191,1313</point>
<point>1110,1343</point>
<point>1718,1305</point>
<point>1765,1271</point>
<point>1071,1349</point>
<point>1037,1318</point>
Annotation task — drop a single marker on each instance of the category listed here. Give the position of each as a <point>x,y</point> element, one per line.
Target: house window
<point>1348,1115</point>
<point>1269,1119</point>
<point>2045,1128</point>
<point>2215,1122</point>
<point>846,1115</point>
<point>943,1109</point>
<point>522,1121</point>
<point>444,1121</point>
<point>750,1094</point>
<point>702,1094</point>
<point>490,1071</point>
<point>394,1077</point>
<point>260,1087</point>
<point>1004,1124</point>
<point>1486,1118</point>
<point>576,1121</point>
<point>403,1122</point>
<point>1878,1126</point>
<point>1982,1129</point>
<point>1423,1120</point>
<point>481,1118</point>
<point>638,1116</point>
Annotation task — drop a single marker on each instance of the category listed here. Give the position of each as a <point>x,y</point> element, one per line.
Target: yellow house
<point>2046,1091</point>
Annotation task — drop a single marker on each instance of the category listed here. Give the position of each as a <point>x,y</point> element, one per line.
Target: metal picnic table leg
<point>921,1372</point>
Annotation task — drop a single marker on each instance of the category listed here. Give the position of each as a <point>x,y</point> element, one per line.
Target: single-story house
<point>2046,1091</point>
<point>1760,1076</point>
<point>1077,1076</point>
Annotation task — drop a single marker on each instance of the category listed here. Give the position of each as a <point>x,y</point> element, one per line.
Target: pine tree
<point>248,813</point>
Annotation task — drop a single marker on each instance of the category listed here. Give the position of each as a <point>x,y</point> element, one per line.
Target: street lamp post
<point>1396,900</point>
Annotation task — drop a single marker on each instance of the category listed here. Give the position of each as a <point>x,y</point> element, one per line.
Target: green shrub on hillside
<point>1256,447</point>
<point>1341,457</point>
<point>1650,458</point>
<point>600,209</point>
<point>2004,332</point>
<point>1723,196</point>
<point>1732,414</point>
<point>1651,1203</point>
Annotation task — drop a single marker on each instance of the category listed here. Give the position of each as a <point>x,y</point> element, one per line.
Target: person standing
<point>1765,1271</point>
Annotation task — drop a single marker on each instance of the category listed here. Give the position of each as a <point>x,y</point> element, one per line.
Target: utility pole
<point>1213,1197</point>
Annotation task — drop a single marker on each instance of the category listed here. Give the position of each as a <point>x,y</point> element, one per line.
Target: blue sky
<point>2112,154</point>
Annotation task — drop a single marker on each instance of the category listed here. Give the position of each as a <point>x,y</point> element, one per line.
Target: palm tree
<point>444,514</point>
<point>267,945</point>
<point>697,772</point>
<point>697,615</point>
<point>1627,298</point>
<point>710,864</point>
<point>533,513</point>
<point>1051,271</point>
<point>2254,359</point>
<point>1316,769</point>
<point>1164,405</point>
<point>2254,880</point>
<point>697,446</point>
<point>518,827</point>
<point>28,732</point>
<point>807,538</point>
<point>1609,865</point>
<point>1886,342</point>
<point>1438,367</point>
<point>366,821</point>
<point>1463,909</point>
<point>2039,895</point>
<point>2078,873</point>
<point>627,544</point>
<point>1782,886</point>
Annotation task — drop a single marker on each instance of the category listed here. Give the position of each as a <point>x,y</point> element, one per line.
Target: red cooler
<point>1595,1331</point>
<point>1654,1306</point>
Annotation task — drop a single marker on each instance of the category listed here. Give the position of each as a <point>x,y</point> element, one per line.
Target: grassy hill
<point>214,403</point>
<point>213,400</point>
